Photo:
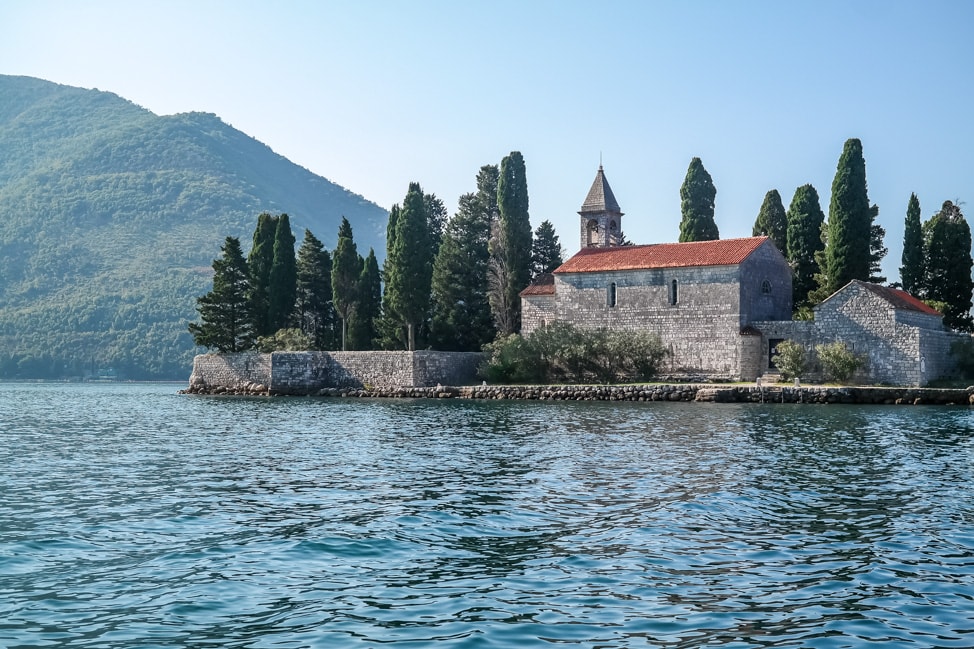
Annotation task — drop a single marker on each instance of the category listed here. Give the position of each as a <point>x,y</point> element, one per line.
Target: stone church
<point>720,306</point>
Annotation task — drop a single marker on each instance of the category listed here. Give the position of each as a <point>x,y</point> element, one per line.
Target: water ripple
<point>134,517</point>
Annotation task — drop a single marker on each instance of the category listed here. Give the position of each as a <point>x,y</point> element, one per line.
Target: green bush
<point>562,353</point>
<point>790,359</point>
<point>285,340</point>
<point>838,361</point>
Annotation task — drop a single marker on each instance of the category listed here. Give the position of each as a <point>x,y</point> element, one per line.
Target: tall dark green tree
<point>436,215</point>
<point>877,249</point>
<point>409,267</point>
<point>912,270</point>
<point>226,323</point>
<point>849,240</point>
<point>392,334</point>
<point>314,313</point>
<point>283,277</point>
<point>697,205</point>
<point>805,221</point>
<point>510,247</point>
<point>363,325</point>
<point>345,271</point>
<point>259,261</point>
<point>461,313</point>
<point>772,221</point>
<point>546,253</point>
<point>948,265</point>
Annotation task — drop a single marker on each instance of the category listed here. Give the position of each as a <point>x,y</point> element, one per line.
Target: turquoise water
<point>131,516</point>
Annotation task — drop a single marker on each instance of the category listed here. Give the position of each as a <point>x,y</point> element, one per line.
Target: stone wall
<point>243,372</point>
<point>900,347</point>
<point>310,372</point>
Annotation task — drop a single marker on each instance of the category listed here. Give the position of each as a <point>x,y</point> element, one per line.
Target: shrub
<point>838,361</point>
<point>790,359</point>
<point>285,340</point>
<point>563,353</point>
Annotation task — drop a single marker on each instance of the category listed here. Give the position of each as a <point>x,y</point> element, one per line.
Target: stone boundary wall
<point>302,373</point>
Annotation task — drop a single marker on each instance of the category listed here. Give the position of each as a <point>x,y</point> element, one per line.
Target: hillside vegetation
<point>110,218</point>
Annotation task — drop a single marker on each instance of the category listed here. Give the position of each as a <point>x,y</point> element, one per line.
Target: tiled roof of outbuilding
<point>600,197</point>
<point>898,298</point>
<point>721,252</point>
<point>543,284</point>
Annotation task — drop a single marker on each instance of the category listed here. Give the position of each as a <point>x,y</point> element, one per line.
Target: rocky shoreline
<point>699,392</point>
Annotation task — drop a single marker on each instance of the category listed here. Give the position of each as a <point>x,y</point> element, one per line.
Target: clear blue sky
<point>375,94</point>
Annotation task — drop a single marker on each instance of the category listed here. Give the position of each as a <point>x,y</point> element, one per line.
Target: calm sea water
<point>131,516</point>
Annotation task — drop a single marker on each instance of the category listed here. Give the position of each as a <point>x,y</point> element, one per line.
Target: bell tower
<point>601,217</point>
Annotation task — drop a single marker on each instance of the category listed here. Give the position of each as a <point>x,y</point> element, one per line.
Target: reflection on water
<point>132,516</point>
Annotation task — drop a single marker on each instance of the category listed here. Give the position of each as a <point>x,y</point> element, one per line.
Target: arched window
<point>592,233</point>
<point>611,297</point>
<point>674,297</point>
<point>766,287</point>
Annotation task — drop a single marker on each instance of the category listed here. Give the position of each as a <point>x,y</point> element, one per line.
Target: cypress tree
<point>849,241</point>
<point>259,261</point>
<point>392,335</point>
<point>805,220</point>
<point>948,262</point>
<point>362,327</point>
<point>912,270</point>
<point>345,271</point>
<point>226,322</point>
<point>409,267</point>
<point>697,205</point>
<point>511,245</point>
<point>314,313</point>
<point>283,277</point>
<point>546,254</point>
<point>772,221</point>
<point>436,217</point>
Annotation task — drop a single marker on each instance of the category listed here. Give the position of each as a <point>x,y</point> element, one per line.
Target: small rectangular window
<point>674,297</point>
<point>611,297</point>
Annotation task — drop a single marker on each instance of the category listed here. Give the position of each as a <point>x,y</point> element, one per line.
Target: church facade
<point>719,307</point>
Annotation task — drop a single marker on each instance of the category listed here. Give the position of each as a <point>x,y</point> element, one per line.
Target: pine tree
<point>849,244</point>
<point>912,270</point>
<point>697,205</point>
<point>362,328</point>
<point>805,221</point>
<point>314,313</point>
<point>510,247</point>
<point>877,250</point>
<point>461,318</point>
<point>948,262</point>
<point>283,277</point>
<point>259,261</point>
<point>546,253</point>
<point>345,271</point>
<point>772,221</point>
<point>409,266</point>
<point>226,322</point>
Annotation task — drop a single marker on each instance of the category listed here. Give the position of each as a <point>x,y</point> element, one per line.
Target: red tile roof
<point>543,284</point>
<point>721,252</point>
<point>899,299</point>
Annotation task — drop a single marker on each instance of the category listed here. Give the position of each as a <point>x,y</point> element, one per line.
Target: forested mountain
<point>110,218</point>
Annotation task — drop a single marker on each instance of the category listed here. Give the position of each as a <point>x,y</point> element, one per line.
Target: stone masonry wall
<point>309,372</point>
<point>701,330</point>
<point>247,371</point>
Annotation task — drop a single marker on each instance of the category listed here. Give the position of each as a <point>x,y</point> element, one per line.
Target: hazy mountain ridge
<point>110,217</point>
